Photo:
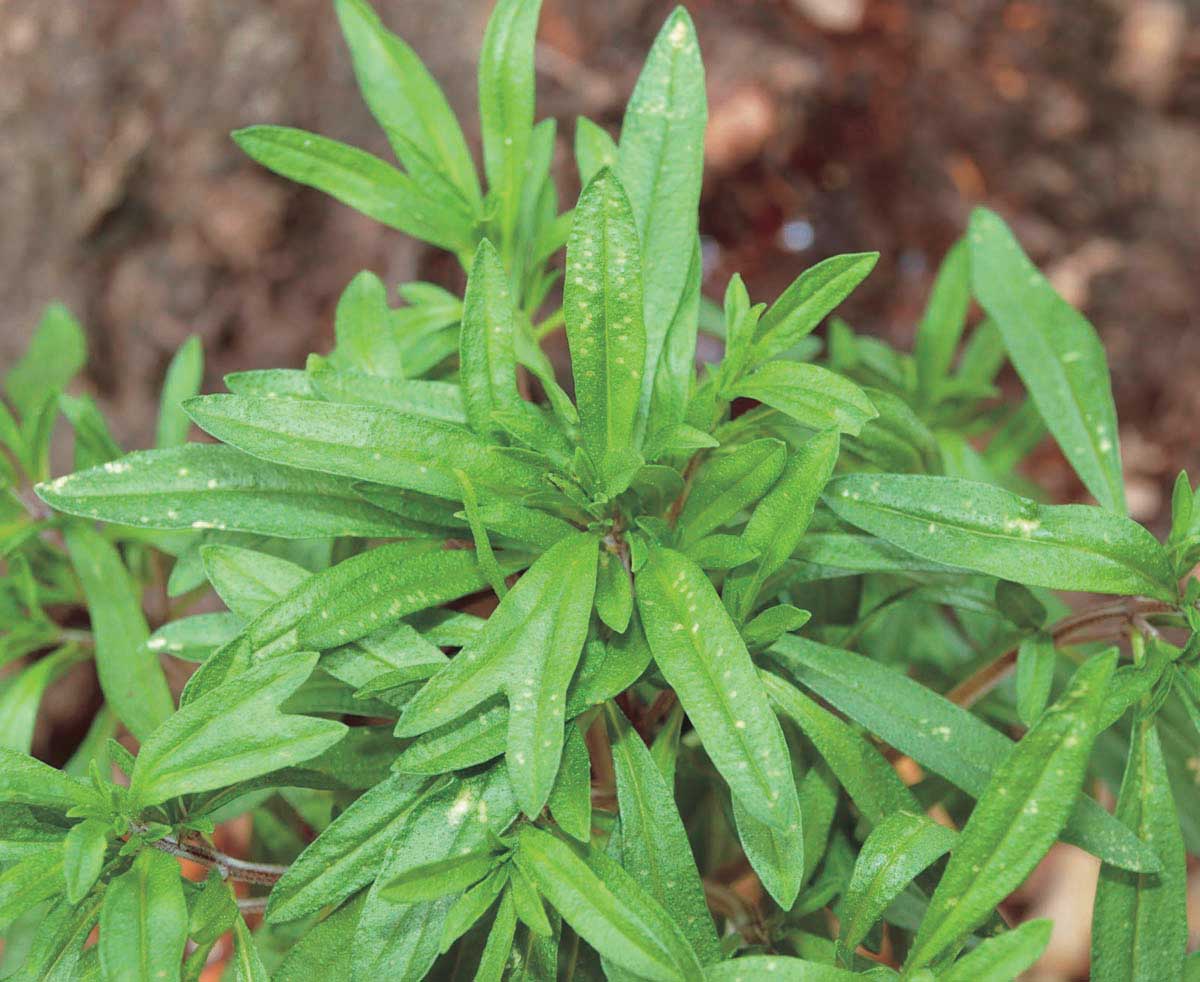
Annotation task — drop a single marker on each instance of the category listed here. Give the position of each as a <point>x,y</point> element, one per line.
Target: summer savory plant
<point>607,676</point>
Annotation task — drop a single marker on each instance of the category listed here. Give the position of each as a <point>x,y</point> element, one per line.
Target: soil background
<point>835,125</point>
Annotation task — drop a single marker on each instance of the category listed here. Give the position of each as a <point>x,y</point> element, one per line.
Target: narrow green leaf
<point>487,362</point>
<point>614,592</point>
<point>654,843</point>
<point>143,922</point>
<point>25,780</point>
<point>499,942</point>
<point>1035,675</point>
<point>594,149</point>
<point>804,304</point>
<point>130,675</point>
<point>941,736</point>
<point>570,800</point>
<point>360,180</point>
<point>1055,351</point>
<point>420,397</point>
<point>607,908</point>
<point>942,325</point>
<point>1018,816</point>
<point>367,341</point>
<point>860,768</point>
<point>528,649</point>
<point>602,304</point>
<point>362,442</point>
<point>247,964</point>
<point>776,856</point>
<point>409,106</point>
<point>1139,929</point>
<point>472,906</point>
<point>703,658</point>
<point>441,877</point>
<point>347,854</point>
<point>213,910</point>
<point>729,483</point>
<point>83,857</point>
<point>249,582</point>
<point>21,697</point>
<point>506,103</point>
<point>233,733</point>
<point>56,352</point>
<point>1004,957</point>
<point>94,442</point>
<point>208,486</point>
<point>401,941</point>
<point>660,164</point>
<point>489,569</point>
<point>813,396</point>
<point>675,374</point>
<point>780,520</point>
<point>898,849</point>
<point>980,527</point>
<point>184,375</point>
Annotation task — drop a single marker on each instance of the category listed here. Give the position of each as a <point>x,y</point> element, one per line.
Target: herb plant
<point>516,683</point>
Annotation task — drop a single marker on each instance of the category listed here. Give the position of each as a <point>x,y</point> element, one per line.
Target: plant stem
<point>1079,628</point>
<point>230,867</point>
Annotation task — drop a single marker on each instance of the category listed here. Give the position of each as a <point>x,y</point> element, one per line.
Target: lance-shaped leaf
<point>233,733</point>
<point>345,602</point>
<point>654,844</point>
<point>421,397</point>
<point>208,486</point>
<point>898,849</point>
<point>943,322</point>
<point>941,736</point>
<point>980,527</point>
<point>1019,815</point>
<point>860,768</point>
<point>28,882</point>
<point>804,304</point>
<point>83,857</point>
<point>397,940</point>
<point>1139,929</point>
<point>487,363</point>
<point>1055,351</point>
<point>247,963</point>
<point>247,581</point>
<point>570,800</point>
<point>1003,957</point>
<point>703,658</point>
<point>776,856</point>
<point>675,373</point>
<point>409,106</point>
<point>528,649</point>
<point>728,484</point>
<point>607,908</point>
<point>25,780</point>
<point>347,854</point>
<point>362,181</point>
<point>506,102</point>
<point>780,520</point>
<point>397,449</point>
<point>56,352</point>
<point>130,675</point>
<point>594,149</point>
<point>184,376</point>
<point>813,396</point>
<point>367,341</point>
<point>144,919</point>
<point>661,163</point>
<point>602,304</point>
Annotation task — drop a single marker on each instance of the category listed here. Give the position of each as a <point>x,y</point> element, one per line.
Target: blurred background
<point>835,125</point>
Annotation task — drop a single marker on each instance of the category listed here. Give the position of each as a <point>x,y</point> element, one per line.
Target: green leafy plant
<point>518,683</point>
